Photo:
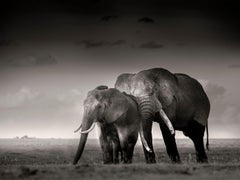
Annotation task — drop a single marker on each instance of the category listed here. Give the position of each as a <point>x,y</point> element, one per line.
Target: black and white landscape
<point>53,52</point>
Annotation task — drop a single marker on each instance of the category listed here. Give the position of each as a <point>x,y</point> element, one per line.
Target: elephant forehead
<point>124,88</point>
<point>141,86</point>
<point>139,92</point>
<point>90,101</point>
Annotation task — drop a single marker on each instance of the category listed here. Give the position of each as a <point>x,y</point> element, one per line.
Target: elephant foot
<point>152,161</point>
<point>150,158</point>
<point>202,160</point>
<point>107,158</point>
<point>175,159</point>
<point>201,157</point>
<point>127,161</point>
<point>107,161</point>
<point>116,161</point>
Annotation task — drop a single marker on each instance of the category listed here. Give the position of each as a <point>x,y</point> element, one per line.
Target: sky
<point>52,54</point>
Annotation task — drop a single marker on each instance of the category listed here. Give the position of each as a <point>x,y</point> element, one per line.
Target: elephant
<point>175,101</point>
<point>118,119</point>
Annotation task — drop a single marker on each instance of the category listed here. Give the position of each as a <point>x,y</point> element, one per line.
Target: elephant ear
<point>116,107</point>
<point>123,82</point>
<point>142,86</point>
<point>164,93</point>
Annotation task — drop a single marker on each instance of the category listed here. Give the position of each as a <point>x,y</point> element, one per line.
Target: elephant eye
<point>99,106</point>
<point>97,96</point>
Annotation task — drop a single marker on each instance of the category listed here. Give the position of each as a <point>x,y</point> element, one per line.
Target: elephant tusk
<point>167,121</point>
<point>90,129</point>
<point>78,128</point>
<point>144,142</point>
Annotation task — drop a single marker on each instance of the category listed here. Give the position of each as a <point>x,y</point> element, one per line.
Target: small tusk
<point>78,128</point>
<point>146,145</point>
<point>144,142</point>
<point>90,129</point>
<point>167,121</point>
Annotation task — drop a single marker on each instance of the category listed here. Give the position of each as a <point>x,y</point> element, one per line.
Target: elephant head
<point>150,94</point>
<point>102,105</point>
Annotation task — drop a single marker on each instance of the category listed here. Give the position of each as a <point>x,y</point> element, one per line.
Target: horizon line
<point>31,138</point>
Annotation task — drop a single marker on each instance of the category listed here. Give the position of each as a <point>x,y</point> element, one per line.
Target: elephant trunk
<point>86,127</point>
<point>144,142</point>
<point>146,107</point>
<point>80,149</point>
<point>149,105</point>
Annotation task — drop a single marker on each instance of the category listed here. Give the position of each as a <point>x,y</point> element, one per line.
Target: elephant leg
<point>124,148</point>
<point>127,142</point>
<point>130,151</point>
<point>201,155</point>
<point>132,140</point>
<point>121,155</point>
<point>170,143</point>
<point>116,151</point>
<point>106,146</point>
<point>147,127</point>
<point>196,134</point>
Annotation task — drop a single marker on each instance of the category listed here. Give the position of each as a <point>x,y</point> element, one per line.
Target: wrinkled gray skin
<point>118,119</point>
<point>183,100</point>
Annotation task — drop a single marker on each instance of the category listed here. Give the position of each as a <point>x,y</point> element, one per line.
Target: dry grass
<point>51,159</point>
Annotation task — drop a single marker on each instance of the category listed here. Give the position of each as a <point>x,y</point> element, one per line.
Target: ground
<point>51,159</point>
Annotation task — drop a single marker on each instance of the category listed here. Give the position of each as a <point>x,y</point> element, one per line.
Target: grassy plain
<point>51,159</point>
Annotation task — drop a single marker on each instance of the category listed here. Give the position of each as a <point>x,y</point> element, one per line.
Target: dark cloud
<point>118,42</point>
<point>138,31</point>
<point>31,61</point>
<point>180,44</point>
<point>108,18</point>
<point>234,66</point>
<point>146,20</point>
<point>96,44</point>
<point>5,42</point>
<point>91,43</point>
<point>151,45</point>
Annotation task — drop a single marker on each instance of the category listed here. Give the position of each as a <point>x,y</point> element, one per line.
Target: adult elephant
<point>175,101</point>
<point>118,119</point>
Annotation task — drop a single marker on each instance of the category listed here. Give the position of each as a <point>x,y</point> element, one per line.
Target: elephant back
<point>192,95</point>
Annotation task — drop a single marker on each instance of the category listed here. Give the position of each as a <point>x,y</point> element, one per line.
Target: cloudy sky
<point>52,54</point>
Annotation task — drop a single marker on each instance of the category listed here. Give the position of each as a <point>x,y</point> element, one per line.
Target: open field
<point>51,159</point>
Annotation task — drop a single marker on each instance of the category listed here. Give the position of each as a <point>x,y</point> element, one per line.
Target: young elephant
<point>118,119</point>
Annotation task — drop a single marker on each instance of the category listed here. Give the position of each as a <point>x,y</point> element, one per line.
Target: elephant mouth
<point>149,105</point>
<point>85,131</point>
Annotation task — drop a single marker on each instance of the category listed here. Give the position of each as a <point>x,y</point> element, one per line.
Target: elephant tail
<point>207,143</point>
